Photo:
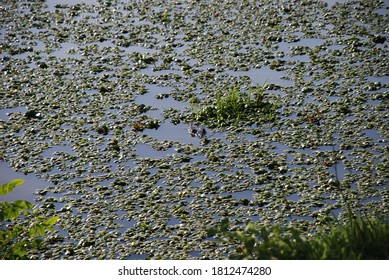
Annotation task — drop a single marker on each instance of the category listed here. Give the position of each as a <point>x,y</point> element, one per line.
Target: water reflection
<point>263,75</point>
<point>51,4</point>
<point>173,132</point>
<point>24,191</point>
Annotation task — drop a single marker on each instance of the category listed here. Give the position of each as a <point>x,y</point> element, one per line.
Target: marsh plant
<point>16,241</point>
<point>360,238</point>
<point>235,105</point>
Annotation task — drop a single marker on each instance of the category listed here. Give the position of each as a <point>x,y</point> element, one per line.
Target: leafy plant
<point>360,238</point>
<point>235,105</point>
<point>17,240</point>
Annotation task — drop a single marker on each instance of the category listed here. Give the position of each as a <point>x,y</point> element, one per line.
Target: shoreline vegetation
<point>360,238</point>
<point>17,241</point>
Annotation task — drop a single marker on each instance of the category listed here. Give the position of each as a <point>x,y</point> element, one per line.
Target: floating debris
<point>33,114</point>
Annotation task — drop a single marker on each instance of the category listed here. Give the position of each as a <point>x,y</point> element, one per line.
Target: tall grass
<point>362,238</point>
<point>231,105</point>
<point>235,105</point>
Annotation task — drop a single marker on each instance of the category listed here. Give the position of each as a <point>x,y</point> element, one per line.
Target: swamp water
<point>97,97</point>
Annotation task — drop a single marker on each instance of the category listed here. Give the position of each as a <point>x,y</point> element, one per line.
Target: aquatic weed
<point>235,105</point>
<point>360,238</point>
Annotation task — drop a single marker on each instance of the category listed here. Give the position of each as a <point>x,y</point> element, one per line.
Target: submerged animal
<point>199,131</point>
<point>192,130</point>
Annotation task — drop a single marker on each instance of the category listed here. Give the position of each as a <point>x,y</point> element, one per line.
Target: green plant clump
<point>17,241</point>
<point>361,238</point>
<point>234,106</point>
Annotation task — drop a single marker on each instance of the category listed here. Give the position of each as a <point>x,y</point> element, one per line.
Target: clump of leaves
<point>17,240</point>
<point>235,105</point>
<point>359,238</point>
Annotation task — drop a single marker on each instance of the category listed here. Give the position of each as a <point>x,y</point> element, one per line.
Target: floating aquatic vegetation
<point>112,91</point>
<point>235,106</point>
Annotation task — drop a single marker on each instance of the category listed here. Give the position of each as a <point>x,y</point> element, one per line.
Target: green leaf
<point>8,187</point>
<point>50,222</point>
<point>39,228</point>
<point>19,250</point>
<point>249,228</point>
<point>9,211</point>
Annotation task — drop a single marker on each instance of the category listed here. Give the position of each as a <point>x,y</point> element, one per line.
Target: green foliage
<point>234,106</point>
<point>17,240</point>
<point>11,210</point>
<point>360,238</point>
<point>8,187</point>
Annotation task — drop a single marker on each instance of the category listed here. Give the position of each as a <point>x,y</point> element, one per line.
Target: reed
<point>361,238</point>
<point>233,106</point>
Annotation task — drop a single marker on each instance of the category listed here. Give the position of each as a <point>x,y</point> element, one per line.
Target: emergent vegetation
<point>360,238</point>
<point>234,106</point>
